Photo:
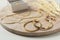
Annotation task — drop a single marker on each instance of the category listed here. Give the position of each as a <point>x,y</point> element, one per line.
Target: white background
<point>5,35</point>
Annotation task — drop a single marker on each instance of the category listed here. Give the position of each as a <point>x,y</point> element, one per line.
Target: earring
<point>34,24</point>
<point>47,27</point>
<point>49,20</point>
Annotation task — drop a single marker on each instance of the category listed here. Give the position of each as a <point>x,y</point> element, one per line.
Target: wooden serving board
<point>14,22</point>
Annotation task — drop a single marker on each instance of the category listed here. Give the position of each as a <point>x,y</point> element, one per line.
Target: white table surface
<point>5,35</point>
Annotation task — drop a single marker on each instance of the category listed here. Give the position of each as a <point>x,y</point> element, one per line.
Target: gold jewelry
<point>48,27</point>
<point>50,18</point>
<point>34,23</point>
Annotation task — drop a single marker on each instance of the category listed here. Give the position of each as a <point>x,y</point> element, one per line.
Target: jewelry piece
<point>21,19</point>
<point>50,18</point>
<point>34,24</point>
<point>47,27</point>
<point>12,15</point>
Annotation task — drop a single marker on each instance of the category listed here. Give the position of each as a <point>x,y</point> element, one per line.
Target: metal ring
<point>37,28</point>
<point>48,27</point>
<point>49,20</point>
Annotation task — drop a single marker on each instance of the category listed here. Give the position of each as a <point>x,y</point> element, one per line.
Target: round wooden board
<point>6,16</point>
